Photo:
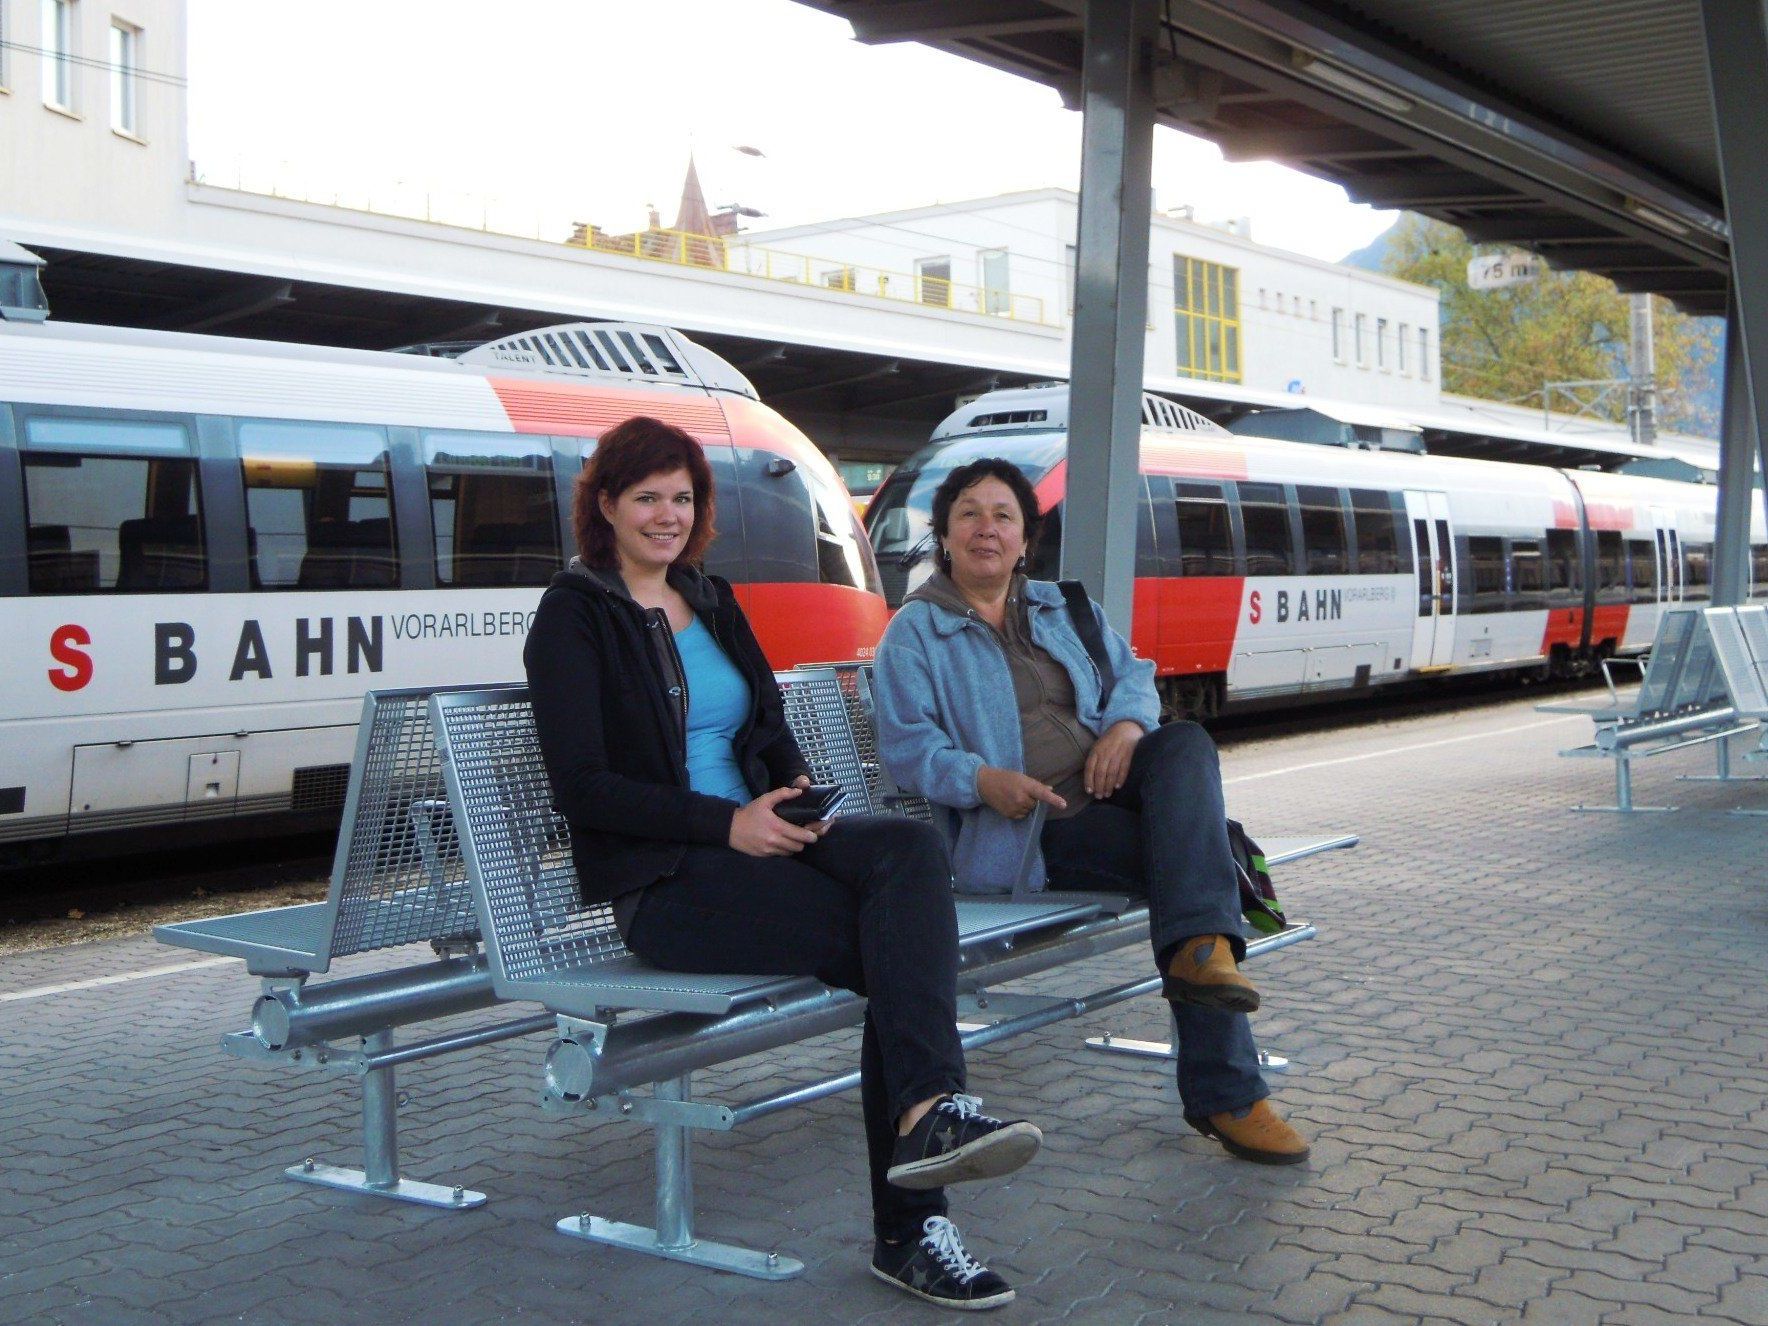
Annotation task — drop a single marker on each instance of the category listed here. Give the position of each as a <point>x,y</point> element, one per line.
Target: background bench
<point>1683,701</point>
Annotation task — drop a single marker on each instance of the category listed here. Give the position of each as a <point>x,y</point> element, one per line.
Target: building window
<point>933,281</point>
<point>1400,348</point>
<point>1424,353</point>
<point>1338,334</point>
<point>1206,312</point>
<point>125,60</point>
<point>997,297</point>
<point>1381,344</point>
<point>58,53</point>
<point>1362,340</point>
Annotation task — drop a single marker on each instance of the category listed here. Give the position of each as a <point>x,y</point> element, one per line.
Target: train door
<point>1433,628</point>
<point>1669,556</point>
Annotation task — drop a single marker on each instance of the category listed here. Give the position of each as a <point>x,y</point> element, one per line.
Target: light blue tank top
<point>718,702</point>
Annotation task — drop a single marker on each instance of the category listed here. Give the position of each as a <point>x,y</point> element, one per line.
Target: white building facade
<point>1221,308</point>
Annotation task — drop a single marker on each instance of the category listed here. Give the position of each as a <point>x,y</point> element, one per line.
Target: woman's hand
<point>757,831</point>
<point>1109,763</point>
<point>1013,794</point>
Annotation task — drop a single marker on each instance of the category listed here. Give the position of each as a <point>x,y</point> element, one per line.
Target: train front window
<point>492,509</point>
<point>841,549</point>
<point>319,507</point>
<point>99,521</point>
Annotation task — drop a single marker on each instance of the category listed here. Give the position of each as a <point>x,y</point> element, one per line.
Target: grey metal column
<point>1737,463</point>
<point>1737,56</point>
<point>1110,302</point>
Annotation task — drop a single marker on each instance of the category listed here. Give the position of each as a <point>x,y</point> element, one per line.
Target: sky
<point>531,115</point>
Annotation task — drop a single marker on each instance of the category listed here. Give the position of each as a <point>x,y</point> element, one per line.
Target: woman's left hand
<point>1109,763</point>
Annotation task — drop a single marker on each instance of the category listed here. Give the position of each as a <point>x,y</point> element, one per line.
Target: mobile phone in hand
<point>819,801</point>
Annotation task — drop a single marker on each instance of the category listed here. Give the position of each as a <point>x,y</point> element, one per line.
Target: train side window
<point>1697,577</point>
<point>492,509</point>
<point>1378,550</point>
<point>319,508</point>
<point>1323,535</point>
<point>1485,553</point>
<point>1642,570</point>
<point>1402,544</point>
<point>1206,539</point>
<point>1611,571</point>
<point>1264,515</point>
<point>1528,576</point>
<point>111,505</point>
<point>1759,570</point>
<point>1564,573</point>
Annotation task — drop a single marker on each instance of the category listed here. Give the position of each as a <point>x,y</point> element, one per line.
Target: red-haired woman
<point>668,751</point>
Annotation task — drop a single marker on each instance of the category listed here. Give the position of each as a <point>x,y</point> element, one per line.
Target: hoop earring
<point>1019,565</point>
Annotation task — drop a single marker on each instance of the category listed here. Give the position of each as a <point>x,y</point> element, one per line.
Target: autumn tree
<point>1506,345</point>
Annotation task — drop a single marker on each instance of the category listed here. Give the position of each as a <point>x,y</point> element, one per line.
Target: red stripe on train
<point>583,411</point>
<point>1190,622</point>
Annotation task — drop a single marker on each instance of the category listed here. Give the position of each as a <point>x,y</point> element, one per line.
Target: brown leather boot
<point>1203,972</point>
<point>1256,1133</point>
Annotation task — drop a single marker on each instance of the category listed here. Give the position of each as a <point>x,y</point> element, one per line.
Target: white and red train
<point>210,548</point>
<point>1277,571</point>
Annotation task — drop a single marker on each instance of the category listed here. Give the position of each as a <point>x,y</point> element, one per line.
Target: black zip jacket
<point>610,704</point>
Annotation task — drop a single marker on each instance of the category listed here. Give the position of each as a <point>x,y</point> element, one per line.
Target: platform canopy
<point>1579,129</point>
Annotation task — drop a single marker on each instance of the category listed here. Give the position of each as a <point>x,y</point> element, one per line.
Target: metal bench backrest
<point>1744,680</point>
<point>535,921</point>
<point>397,876</point>
<point>1701,682</point>
<point>1752,622</point>
<point>881,790</point>
<point>1663,671</point>
<point>818,713</point>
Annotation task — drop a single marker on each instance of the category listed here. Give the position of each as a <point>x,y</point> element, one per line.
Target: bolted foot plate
<point>406,1190</point>
<point>701,1252</point>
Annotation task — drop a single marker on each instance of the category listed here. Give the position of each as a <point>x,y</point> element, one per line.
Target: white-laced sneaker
<point>936,1267</point>
<point>956,1142</point>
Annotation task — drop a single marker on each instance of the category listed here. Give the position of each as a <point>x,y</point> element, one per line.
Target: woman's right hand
<point>1013,794</point>
<point>757,831</point>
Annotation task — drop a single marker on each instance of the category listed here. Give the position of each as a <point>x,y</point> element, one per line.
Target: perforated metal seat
<point>397,874</point>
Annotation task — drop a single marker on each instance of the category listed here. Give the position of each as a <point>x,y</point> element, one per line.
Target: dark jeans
<point>868,909</point>
<point>1163,836</point>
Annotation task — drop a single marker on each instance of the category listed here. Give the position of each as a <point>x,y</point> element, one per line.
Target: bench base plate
<point>404,1190</point>
<point>701,1252</point>
<point>1270,1063</point>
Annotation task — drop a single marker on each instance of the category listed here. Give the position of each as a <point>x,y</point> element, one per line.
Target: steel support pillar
<point>1110,302</point>
<point>1737,55</point>
<point>1737,464</point>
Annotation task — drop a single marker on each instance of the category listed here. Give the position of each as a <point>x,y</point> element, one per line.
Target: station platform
<point>1530,1048</point>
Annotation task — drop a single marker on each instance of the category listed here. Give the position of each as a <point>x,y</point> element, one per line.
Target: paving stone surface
<point>1529,1048</point>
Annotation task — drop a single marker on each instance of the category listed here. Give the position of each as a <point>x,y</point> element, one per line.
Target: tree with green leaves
<point>1506,345</point>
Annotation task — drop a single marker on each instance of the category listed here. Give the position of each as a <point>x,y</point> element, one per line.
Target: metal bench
<point>1682,702</point>
<point>546,946</point>
<point>397,879</point>
<point>1740,644</point>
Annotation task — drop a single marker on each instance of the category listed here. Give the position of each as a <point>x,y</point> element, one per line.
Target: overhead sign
<point>1496,271</point>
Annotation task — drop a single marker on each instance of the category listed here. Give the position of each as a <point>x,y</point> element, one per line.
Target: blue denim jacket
<point>945,706</point>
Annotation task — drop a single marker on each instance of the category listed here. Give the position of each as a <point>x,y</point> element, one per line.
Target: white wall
<point>1286,300</point>
<point>70,164</point>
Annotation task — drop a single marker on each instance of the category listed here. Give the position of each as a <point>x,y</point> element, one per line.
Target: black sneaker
<point>955,1142</point>
<point>937,1268</point>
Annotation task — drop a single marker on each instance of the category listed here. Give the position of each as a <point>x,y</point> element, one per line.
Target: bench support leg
<point>1722,768</point>
<point>1624,793</point>
<point>379,1176</point>
<point>674,1235</point>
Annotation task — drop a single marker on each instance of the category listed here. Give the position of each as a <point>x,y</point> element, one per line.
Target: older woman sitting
<point>989,703</point>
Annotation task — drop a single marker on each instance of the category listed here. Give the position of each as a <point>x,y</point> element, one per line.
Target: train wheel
<point>1196,697</point>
